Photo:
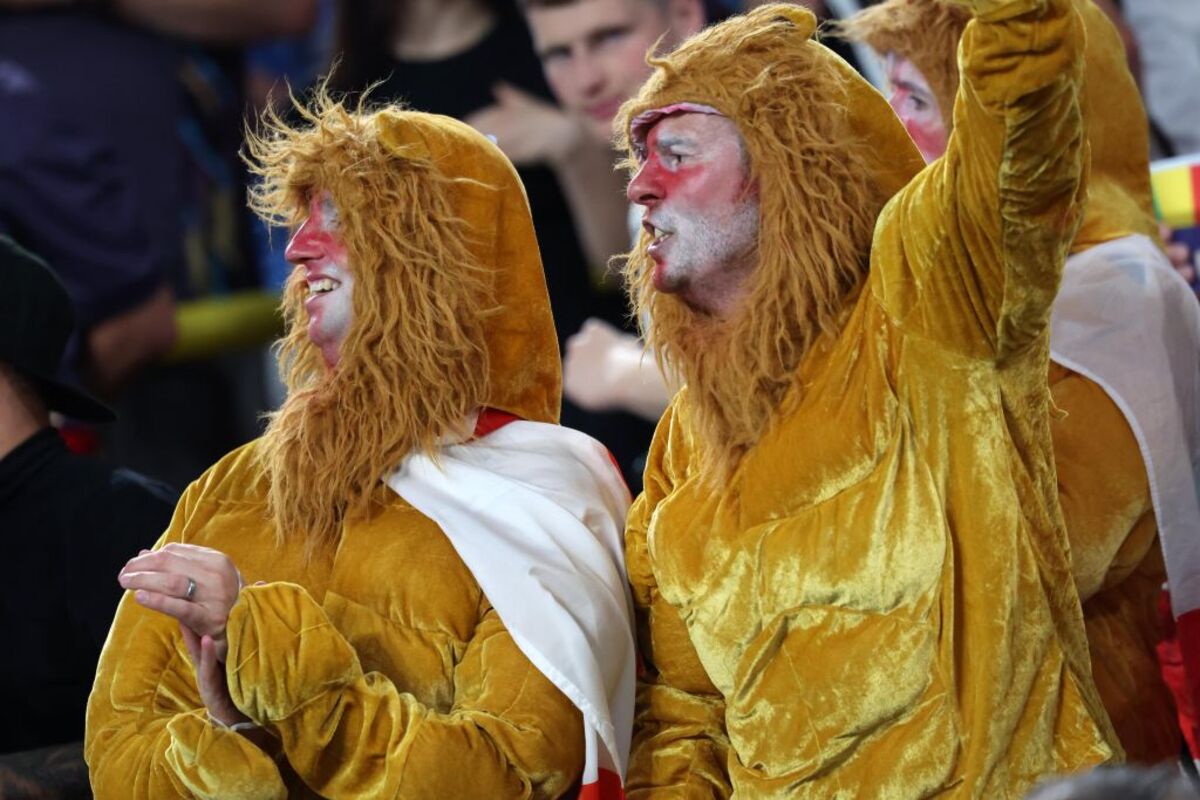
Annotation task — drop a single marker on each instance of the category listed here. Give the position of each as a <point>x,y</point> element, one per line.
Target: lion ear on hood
<point>799,16</point>
<point>403,139</point>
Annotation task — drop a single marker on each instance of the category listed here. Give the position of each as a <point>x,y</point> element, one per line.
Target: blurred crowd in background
<point>119,166</point>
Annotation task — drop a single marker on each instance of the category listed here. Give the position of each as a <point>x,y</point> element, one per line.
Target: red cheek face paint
<point>916,105</point>
<point>670,179</point>
<point>929,138</point>
<point>318,233</point>
<point>321,260</point>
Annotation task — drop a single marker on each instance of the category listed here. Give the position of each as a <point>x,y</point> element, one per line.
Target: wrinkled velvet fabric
<point>1117,562</point>
<point>1103,486</point>
<point>879,602</point>
<point>378,668</point>
<point>383,673</point>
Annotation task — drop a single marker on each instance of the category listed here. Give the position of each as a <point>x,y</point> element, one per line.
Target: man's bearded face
<point>700,209</point>
<point>318,249</point>
<point>917,107</point>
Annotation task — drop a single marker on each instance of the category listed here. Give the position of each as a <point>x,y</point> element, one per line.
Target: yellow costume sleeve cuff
<point>272,631</point>
<point>216,763</point>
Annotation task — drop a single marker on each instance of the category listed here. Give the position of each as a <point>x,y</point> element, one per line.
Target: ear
<point>685,18</point>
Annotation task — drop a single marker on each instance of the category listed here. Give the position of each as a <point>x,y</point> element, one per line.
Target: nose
<point>589,76</point>
<point>304,245</point>
<point>645,189</point>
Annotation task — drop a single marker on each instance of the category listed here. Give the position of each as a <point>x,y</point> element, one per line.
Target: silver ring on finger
<point>190,594</point>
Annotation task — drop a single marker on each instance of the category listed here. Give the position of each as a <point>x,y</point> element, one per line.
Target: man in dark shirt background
<point>67,525</point>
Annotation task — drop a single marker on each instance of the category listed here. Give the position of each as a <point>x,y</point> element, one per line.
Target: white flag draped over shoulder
<point>537,513</point>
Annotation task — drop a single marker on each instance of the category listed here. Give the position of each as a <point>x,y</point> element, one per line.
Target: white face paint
<point>317,248</point>
<point>700,210</point>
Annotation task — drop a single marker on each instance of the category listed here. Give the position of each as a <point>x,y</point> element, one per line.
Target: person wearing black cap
<point>67,523</point>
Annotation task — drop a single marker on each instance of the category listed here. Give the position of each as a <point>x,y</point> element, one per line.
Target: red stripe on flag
<point>607,788</point>
<point>1195,172</point>
<point>1179,660</point>
<point>492,419</point>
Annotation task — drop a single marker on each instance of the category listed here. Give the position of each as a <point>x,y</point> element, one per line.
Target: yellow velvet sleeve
<point>350,734</point>
<point>975,244</point>
<point>148,735</point>
<point>679,745</point>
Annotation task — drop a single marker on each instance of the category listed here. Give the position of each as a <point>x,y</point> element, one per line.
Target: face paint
<point>317,248</point>
<point>916,106</point>
<point>701,212</point>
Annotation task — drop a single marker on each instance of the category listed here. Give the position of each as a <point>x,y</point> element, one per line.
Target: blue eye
<point>330,212</point>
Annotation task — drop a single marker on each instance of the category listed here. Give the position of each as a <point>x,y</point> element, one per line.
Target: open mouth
<point>322,286</point>
<point>657,235</point>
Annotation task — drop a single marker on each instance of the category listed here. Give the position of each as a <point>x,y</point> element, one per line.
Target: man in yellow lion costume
<point>1125,369</point>
<point>849,560</point>
<point>411,585</point>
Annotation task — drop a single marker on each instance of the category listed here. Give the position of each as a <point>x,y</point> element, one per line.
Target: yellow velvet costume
<point>1102,481</point>
<point>379,667</point>
<point>878,602</point>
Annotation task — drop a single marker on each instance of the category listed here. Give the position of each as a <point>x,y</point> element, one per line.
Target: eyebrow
<point>912,88</point>
<point>330,210</point>
<point>668,141</point>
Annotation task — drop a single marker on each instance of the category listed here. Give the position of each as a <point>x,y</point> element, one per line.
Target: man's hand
<point>606,369</point>
<point>210,678</point>
<point>196,585</point>
<point>528,129</point>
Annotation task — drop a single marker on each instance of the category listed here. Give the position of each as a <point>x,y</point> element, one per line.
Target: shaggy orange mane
<point>414,364</point>
<point>820,192</point>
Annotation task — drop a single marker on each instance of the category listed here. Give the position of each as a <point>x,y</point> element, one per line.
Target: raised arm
<point>348,733</point>
<point>972,250</point>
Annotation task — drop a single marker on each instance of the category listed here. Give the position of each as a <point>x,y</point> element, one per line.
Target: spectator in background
<point>463,57</point>
<point>594,56</point>
<point>92,177</point>
<point>123,171</point>
<point>69,523</point>
<point>593,53</point>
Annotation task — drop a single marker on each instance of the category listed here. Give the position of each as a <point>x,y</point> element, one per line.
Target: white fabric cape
<point>537,513</point>
<point>1126,320</point>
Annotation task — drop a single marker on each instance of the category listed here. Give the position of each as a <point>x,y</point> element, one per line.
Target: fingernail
<point>140,595</point>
